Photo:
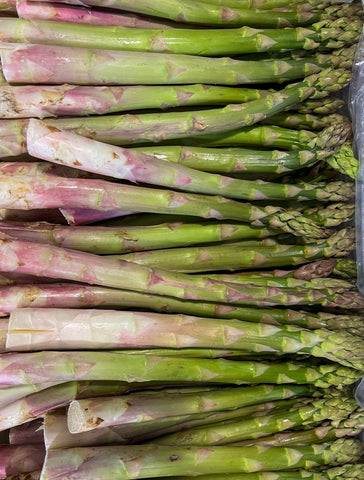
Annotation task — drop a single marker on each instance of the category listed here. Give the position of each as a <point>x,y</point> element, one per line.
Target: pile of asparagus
<point>177,284</point>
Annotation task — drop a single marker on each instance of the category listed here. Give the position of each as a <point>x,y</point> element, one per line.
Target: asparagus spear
<point>67,148</point>
<point>259,425</point>
<point>345,268</point>
<point>145,407</point>
<point>155,460</point>
<point>76,14</point>
<point>210,14</point>
<point>203,42</point>
<point>84,66</point>
<point>46,329</point>
<point>60,367</point>
<point>344,161</point>
<point>12,137</point>
<point>50,191</point>
<point>303,120</point>
<point>347,471</point>
<point>16,459</point>
<point>331,216</point>
<point>218,257</point>
<point>59,100</point>
<point>108,240</point>
<point>327,106</point>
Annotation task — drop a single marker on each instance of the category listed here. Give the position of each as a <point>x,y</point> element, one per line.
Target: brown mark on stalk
<point>115,155</point>
<point>228,15</point>
<point>53,129</point>
<point>173,458</point>
<point>94,422</point>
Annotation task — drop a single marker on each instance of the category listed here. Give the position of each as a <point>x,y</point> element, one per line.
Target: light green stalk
<point>153,460</point>
<point>260,425</point>
<point>339,33</point>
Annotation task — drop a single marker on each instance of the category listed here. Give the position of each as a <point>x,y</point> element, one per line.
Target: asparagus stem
<point>210,14</point>
<point>145,407</point>
<point>303,120</point>
<point>17,459</point>
<point>83,66</point>
<point>109,240</point>
<point>203,42</point>
<point>59,100</point>
<point>67,148</point>
<point>191,461</point>
<point>50,191</point>
<point>60,367</point>
<point>28,433</point>
<point>260,425</point>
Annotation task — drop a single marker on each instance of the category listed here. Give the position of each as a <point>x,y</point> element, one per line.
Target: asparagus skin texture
<point>203,42</point>
<point>210,14</point>
<point>83,66</point>
<point>17,459</point>
<point>157,460</point>
<point>113,240</point>
<point>67,148</point>
<point>44,367</point>
<point>61,100</point>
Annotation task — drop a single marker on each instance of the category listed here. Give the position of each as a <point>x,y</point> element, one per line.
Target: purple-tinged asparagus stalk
<point>44,329</point>
<point>67,148</point>
<point>83,66</point>
<point>59,367</point>
<point>77,14</point>
<point>72,100</point>
<point>113,240</point>
<point>86,296</point>
<point>55,262</point>
<point>49,191</point>
<point>85,216</point>
<point>16,459</point>
<point>157,461</point>
<point>28,433</point>
<point>44,214</point>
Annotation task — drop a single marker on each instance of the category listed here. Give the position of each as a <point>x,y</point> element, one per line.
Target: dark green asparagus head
<point>344,160</point>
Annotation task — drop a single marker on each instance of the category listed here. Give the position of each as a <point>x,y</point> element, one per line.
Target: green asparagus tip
<point>344,161</point>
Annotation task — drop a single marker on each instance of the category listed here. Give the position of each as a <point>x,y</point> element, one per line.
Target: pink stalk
<point>15,459</point>
<point>12,137</point>
<point>27,434</point>
<point>77,14</point>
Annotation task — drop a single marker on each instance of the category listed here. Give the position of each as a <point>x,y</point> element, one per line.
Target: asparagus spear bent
<point>50,191</point>
<point>209,14</point>
<point>67,148</point>
<point>155,460</point>
<point>84,66</point>
<point>181,41</point>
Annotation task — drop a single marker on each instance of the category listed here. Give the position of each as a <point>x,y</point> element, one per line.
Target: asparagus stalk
<point>349,472</point>
<point>210,14</point>
<point>81,296</point>
<point>46,329</point>
<point>50,191</point>
<point>327,106</point>
<point>28,433</point>
<point>76,14</point>
<point>145,407</point>
<point>59,100</point>
<point>84,66</point>
<point>84,216</point>
<point>203,42</point>
<point>16,459</point>
<point>12,137</point>
<point>67,148</point>
<point>259,425</point>
<point>230,160</point>
<point>26,476</point>
<point>156,460</point>
<point>218,257</point>
<point>60,367</point>
<point>109,240</point>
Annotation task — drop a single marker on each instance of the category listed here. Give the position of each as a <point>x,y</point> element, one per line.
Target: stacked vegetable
<point>177,288</point>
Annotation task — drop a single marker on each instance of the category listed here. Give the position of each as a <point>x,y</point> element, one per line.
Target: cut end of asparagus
<point>344,161</point>
<point>76,420</point>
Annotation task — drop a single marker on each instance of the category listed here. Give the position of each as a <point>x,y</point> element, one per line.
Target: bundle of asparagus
<point>176,293</point>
